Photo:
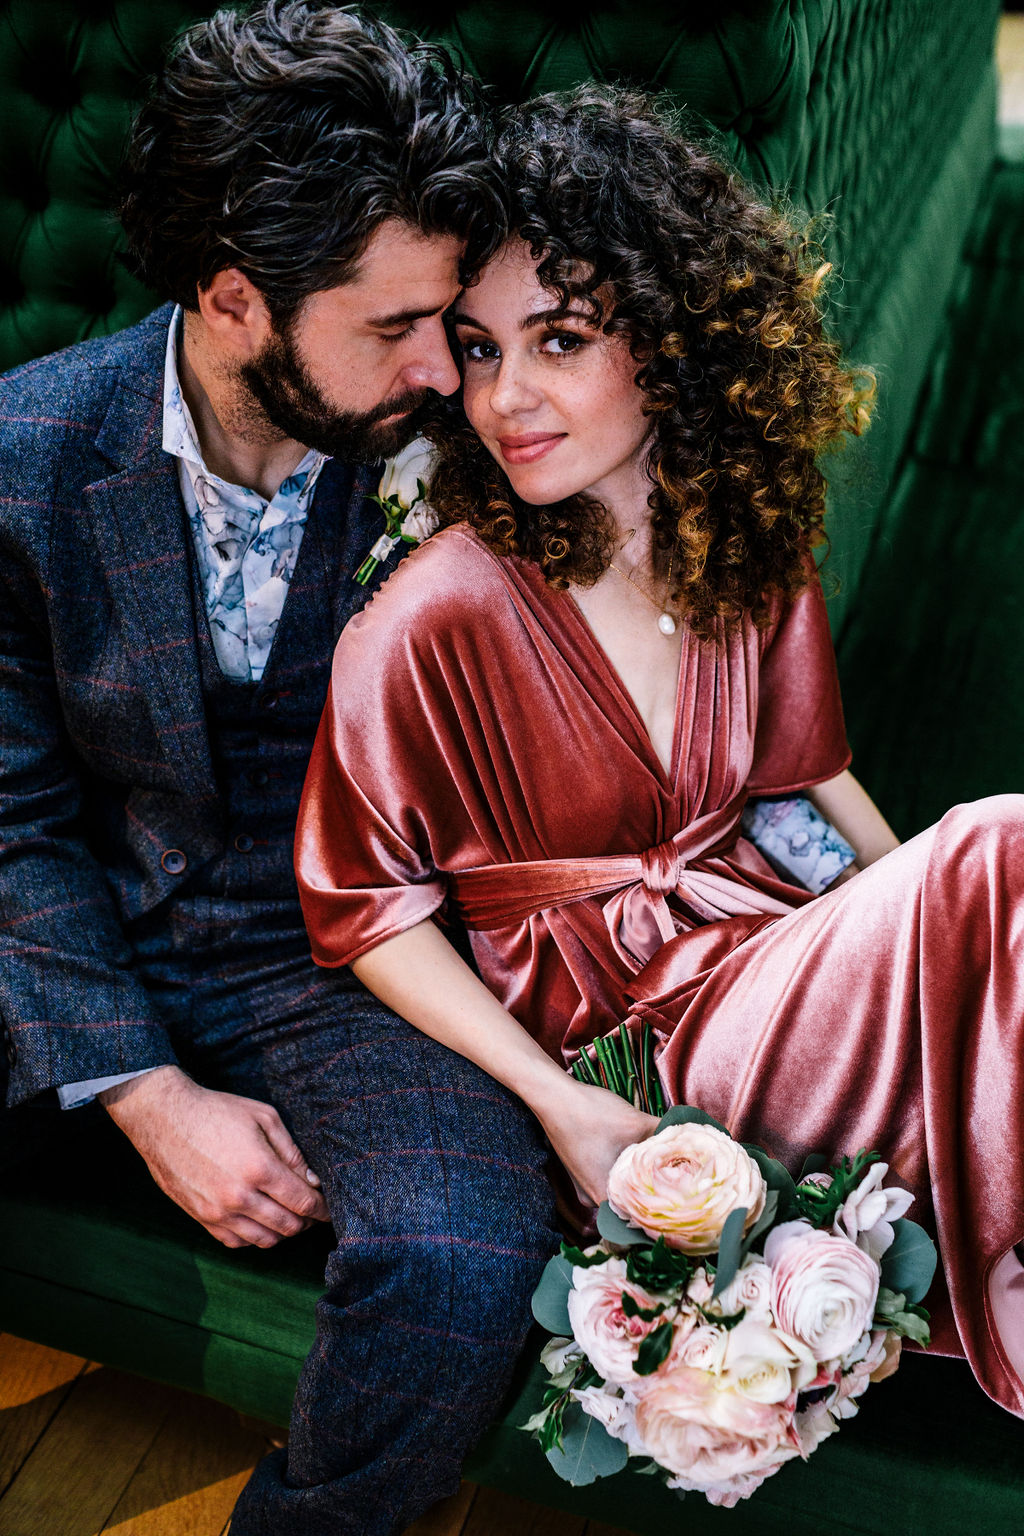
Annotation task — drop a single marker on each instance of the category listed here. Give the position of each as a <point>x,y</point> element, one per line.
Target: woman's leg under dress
<point>889,1013</point>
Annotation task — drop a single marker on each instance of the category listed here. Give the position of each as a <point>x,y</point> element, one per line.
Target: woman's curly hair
<point>719,295</point>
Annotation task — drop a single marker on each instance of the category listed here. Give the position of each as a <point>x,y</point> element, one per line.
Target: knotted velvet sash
<point>638,916</point>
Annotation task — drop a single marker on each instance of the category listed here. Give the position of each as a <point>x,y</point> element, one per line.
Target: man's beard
<point>289,398</point>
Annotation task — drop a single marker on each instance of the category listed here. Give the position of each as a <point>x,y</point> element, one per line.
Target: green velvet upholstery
<point>880,111</point>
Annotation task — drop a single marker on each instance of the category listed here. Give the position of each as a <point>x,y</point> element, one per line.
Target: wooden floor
<point>85,1449</point>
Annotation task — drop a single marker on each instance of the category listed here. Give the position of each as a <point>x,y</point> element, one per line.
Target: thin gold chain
<point>661,607</point>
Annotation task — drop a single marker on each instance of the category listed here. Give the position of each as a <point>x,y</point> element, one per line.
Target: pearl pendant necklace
<point>666,621</point>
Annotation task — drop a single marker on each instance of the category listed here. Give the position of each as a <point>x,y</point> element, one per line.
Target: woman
<point>552,715</point>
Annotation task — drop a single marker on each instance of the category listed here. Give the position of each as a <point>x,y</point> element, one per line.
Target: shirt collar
<point>181,440</point>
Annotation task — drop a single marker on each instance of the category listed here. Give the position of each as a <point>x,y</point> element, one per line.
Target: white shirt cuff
<point>72,1095</point>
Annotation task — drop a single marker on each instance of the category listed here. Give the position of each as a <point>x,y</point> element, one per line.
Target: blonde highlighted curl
<point>720,298</point>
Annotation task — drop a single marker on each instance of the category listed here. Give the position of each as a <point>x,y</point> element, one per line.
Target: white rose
<point>764,1364</point>
<point>750,1289</point>
<point>824,1288</point>
<point>420,523</point>
<point>701,1348</point>
<point>867,1214</point>
<point>414,463</point>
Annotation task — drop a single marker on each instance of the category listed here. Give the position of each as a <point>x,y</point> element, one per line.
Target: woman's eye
<point>562,343</point>
<point>479,351</point>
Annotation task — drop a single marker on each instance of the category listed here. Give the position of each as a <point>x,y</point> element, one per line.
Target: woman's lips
<point>529,447</point>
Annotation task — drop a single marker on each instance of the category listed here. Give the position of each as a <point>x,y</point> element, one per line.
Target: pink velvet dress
<point>479,755</point>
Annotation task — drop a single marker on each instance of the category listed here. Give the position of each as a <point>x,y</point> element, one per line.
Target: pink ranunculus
<point>682,1183</point>
<point>867,1214</point>
<point>709,1436</point>
<point>610,1339</point>
<point>824,1287</point>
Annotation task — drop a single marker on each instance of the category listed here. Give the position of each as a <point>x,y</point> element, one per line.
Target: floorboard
<point>34,1384</point>
<point>76,1473</point>
<point>189,1479</point>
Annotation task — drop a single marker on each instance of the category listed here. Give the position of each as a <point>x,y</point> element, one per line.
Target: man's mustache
<point>398,405</point>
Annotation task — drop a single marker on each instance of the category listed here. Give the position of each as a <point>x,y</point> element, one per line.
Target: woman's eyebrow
<point>539,317</point>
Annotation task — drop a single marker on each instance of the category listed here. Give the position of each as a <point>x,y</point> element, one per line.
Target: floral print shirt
<point>246,546</point>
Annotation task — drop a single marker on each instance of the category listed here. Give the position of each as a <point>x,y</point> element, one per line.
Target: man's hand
<point>227,1161</point>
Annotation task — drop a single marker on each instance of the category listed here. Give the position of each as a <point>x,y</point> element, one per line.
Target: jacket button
<point>10,1049</point>
<point>174,861</point>
<point>244,843</point>
<point>259,777</point>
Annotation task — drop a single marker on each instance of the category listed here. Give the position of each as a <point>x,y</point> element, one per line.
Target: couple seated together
<point>528,760</point>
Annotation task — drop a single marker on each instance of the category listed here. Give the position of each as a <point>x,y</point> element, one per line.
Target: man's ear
<point>234,313</point>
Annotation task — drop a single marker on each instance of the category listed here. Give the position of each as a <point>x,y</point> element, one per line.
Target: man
<point>183,505</point>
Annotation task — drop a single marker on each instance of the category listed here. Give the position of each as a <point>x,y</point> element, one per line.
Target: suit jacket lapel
<point>141,532</point>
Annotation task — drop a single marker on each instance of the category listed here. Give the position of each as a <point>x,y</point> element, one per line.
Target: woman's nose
<point>512,389</point>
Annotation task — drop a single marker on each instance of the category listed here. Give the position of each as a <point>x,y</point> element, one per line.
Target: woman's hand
<point>588,1127</point>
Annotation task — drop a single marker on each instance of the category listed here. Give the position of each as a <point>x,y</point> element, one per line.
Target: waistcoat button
<point>244,843</point>
<point>259,777</point>
<point>173,861</point>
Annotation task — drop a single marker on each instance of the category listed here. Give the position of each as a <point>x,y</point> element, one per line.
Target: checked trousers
<point>435,1179</point>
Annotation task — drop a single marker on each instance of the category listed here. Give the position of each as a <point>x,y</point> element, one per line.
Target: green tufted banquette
<point>879,113</point>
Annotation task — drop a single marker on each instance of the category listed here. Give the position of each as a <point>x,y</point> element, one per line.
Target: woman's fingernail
<point>311,1176</point>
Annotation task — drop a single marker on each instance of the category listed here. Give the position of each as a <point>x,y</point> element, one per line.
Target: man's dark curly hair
<point>277,141</point>
<point>719,296</point>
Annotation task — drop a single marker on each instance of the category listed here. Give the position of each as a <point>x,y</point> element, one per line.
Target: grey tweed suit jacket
<point>104,756</point>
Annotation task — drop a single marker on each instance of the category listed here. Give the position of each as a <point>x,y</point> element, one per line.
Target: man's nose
<point>434,368</point>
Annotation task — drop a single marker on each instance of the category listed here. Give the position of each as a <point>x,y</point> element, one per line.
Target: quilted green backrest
<point>848,104</point>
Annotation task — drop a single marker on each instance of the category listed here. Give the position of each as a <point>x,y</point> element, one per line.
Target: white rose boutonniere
<point>401,496</point>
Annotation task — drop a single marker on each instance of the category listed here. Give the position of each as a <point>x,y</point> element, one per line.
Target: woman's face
<point>552,399</point>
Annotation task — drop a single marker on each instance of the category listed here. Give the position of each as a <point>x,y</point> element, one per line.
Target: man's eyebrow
<point>405,316</point>
<point>539,317</point>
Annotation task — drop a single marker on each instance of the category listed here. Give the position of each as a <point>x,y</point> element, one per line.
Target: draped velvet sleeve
<point>800,738</point>
<point>382,784</point>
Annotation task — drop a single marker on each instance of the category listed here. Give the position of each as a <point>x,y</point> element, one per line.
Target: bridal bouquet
<point>730,1316</point>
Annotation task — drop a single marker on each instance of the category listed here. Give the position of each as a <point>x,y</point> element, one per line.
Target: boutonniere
<point>402,497</point>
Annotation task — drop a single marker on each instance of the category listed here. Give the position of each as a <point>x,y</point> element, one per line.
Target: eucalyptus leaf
<point>685,1114</point>
<point>908,1265</point>
<point>763,1222</point>
<point>730,1249</point>
<point>776,1177</point>
<point>614,1230</point>
<point>814,1162</point>
<point>588,1450</point>
<point>550,1299</point>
